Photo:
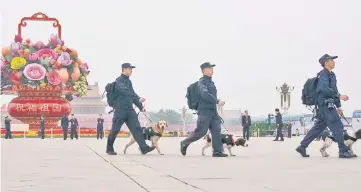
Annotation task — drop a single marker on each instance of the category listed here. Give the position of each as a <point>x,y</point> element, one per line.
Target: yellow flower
<point>42,83</point>
<point>17,63</point>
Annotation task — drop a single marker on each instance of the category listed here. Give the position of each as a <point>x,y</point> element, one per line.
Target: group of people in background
<point>65,120</point>
<point>247,122</point>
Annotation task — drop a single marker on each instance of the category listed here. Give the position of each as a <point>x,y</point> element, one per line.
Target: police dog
<point>350,137</point>
<point>227,141</point>
<point>152,134</point>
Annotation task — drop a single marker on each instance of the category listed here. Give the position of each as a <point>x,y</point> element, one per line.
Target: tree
<point>169,115</point>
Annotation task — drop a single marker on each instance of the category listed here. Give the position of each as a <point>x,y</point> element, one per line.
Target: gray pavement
<point>54,165</point>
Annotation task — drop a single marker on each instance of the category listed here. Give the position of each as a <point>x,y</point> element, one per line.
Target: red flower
<point>53,78</point>
<point>18,39</point>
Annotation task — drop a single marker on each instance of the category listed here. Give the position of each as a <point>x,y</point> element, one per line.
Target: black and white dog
<point>350,137</point>
<point>227,140</point>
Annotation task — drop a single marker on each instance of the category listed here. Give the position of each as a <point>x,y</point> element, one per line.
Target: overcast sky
<point>256,44</point>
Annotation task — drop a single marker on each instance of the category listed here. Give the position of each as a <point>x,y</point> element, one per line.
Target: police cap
<point>207,65</point>
<point>127,65</point>
<point>326,57</point>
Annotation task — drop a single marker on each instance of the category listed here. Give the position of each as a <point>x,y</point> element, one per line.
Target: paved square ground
<point>54,165</point>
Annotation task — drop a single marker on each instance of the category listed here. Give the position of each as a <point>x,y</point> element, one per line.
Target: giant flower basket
<point>44,76</point>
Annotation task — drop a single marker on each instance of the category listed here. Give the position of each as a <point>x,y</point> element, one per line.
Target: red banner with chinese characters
<point>36,106</point>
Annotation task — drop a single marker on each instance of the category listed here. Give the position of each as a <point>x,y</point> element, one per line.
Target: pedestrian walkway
<point>54,165</point>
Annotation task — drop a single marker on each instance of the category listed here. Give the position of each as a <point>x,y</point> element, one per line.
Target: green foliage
<point>70,68</point>
<point>8,68</point>
<point>47,67</point>
<point>170,115</point>
<point>73,57</point>
<point>263,126</point>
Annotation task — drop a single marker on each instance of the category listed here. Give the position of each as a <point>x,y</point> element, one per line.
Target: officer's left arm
<point>337,100</point>
<point>249,121</point>
<point>324,87</point>
<point>136,99</point>
<point>205,94</point>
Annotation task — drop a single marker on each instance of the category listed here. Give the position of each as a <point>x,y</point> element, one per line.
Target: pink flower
<point>18,39</point>
<point>3,62</point>
<point>53,78</point>
<point>55,40</point>
<point>64,59</point>
<point>33,57</point>
<point>34,71</point>
<point>39,45</point>
<point>46,53</point>
<point>84,68</point>
<point>14,48</point>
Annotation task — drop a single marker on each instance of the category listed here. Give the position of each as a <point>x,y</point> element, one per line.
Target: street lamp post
<point>184,119</point>
<point>285,93</point>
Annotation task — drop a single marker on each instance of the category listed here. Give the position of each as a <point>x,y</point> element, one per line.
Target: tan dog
<point>152,134</point>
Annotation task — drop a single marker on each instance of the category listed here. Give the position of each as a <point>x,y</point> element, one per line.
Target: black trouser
<point>65,132</point>
<point>100,132</point>
<point>130,118</point>
<point>8,134</point>
<point>326,118</point>
<point>207,119</point>
<point>73,133</point>
<point>289,133</point>
<point>246,132</point>
<point>42,132</point>
<point>279,133</point>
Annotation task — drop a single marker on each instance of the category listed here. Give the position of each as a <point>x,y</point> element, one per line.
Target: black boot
<point>346,155</point>
<point>183,148</point>
<point>301,150</point>
<point>219,154</point>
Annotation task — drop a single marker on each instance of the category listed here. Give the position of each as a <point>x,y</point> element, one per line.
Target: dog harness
<point>148,133</point>
<point>345,137</point>
<point>348,137</point>
<point>227,139</point>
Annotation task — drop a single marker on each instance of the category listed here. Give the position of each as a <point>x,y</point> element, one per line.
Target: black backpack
<point>309,93</point>
<point>111,94</point>
<point>192,96</point>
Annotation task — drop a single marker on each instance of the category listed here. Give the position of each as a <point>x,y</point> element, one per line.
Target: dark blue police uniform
<point>246,123</point>
<point>326,114</point>
<point>279,124</point>
<point>125,113</point>
<point>208,117</point>
<point>100,128</point>
<point>7,128</point>
<point>42,128</point>
<point>65,125</point>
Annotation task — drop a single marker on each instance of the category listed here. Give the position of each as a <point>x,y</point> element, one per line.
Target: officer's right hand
<point>344,97</point>
<point>143,110</point>
<point>141,99</point>
<point>340,111</point>
<point>221,103</point>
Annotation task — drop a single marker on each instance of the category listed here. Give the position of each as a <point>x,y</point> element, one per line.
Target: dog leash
<point>145,116</point>
<point>343,116</point>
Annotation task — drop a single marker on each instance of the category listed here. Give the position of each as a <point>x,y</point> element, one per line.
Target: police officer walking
<point>73,125</point>
<point>328,109</point>
<point>279,125</point>
<point>125,113</point>
<point>42,127</point>
<point>65,125</point>
<point>7,128</point>
<point>100,127</point>
<point>208,117</point>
